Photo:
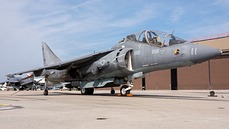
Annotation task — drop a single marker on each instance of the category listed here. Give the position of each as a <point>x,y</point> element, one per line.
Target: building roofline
<point>218,36</point>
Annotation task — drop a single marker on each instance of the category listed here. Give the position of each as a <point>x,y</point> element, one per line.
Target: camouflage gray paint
<point>134,56</point>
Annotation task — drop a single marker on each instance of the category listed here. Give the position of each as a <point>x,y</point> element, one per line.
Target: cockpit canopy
<point>156,38</point>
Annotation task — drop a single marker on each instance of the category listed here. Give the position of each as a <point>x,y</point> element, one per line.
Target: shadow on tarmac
<point>161,96</point>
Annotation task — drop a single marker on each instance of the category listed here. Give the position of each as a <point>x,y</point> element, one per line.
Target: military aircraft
<point>21,83</point>
<point>132,57</point>
<point>3,87</point>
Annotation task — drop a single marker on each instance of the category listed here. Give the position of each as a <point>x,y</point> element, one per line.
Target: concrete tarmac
<point>180,109</point>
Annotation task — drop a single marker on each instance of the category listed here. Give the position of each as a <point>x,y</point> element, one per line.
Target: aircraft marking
<point>155,51</point>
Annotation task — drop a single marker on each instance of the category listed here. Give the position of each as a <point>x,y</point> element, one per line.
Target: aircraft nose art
<point>201,53</point>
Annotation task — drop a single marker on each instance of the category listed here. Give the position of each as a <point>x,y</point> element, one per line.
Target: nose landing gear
<point>125,89</point>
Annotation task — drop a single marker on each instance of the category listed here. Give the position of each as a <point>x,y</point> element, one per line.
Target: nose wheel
<point>124,90</point>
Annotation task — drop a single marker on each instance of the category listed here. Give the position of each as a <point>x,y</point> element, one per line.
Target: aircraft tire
<point>83,91</point>
<point>90,91</point>
<point>112,92</point>
<point>122,92</point>
<point>87,91</point>
<point>46,92</point>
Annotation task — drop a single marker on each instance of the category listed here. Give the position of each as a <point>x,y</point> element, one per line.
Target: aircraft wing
<point>75,63</point>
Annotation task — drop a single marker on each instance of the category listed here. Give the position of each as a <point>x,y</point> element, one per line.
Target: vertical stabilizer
<point>5,84</point>
<point>49,58</point>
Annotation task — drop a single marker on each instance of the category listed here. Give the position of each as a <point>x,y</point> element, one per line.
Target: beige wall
<point>194,77</point>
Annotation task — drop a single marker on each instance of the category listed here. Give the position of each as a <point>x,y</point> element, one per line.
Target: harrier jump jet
<point>21,83</point>
<point>132,57</point>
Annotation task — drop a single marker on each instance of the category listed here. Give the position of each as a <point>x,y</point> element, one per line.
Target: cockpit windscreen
<point>156,38</point>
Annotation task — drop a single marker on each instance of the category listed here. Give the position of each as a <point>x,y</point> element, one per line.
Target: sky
<point>74,28</point>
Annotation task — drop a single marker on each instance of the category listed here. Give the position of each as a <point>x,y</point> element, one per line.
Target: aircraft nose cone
<point>203,53</point>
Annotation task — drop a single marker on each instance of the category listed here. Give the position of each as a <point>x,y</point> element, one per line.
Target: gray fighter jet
<point>21,83</point>
<point>132,57</point>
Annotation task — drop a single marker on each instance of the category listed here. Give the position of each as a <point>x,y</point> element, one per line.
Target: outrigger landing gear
<point>125,89</point>
<point>46,92</point>
<point>112,91</point>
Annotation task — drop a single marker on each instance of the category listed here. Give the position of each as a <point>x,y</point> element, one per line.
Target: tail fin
<point>5,84</point>
<point>49,58</point>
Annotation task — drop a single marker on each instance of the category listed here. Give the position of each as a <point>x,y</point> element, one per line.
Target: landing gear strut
<point>125,89</point>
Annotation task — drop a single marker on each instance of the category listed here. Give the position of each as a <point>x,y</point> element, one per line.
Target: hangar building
<point>213,74</point>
